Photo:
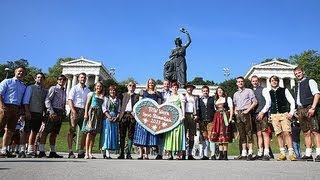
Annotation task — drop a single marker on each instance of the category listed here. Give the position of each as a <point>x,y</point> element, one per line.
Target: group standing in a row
<point>96,113</point>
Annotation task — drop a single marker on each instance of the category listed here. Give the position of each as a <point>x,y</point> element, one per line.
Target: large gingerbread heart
<point>157,118</point>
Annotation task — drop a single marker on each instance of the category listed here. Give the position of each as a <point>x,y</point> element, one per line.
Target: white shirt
<point>313,87</point>
<point>78,95</point>
<point>190,103</point>
<point>129,105</point>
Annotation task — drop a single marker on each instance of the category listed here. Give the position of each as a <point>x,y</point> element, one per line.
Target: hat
<point>189,85</point>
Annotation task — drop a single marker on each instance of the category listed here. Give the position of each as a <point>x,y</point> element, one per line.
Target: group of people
<point>112,117</point>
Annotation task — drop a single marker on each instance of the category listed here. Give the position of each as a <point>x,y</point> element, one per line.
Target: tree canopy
<point>310,61</point>
<point>12,65</point>
<point>201,81</point>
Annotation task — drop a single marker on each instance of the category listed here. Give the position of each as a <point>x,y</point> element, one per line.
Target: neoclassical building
<point>281,69</point>
<point>95,71</point>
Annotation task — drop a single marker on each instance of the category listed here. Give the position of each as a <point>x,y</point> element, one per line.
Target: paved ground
<point>18,169</point>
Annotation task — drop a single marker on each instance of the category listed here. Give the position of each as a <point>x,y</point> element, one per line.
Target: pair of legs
<point>244,125</point>
<point>8,119</point>
<point>141,152</point>
<point>76,119</point>
<point>90,137</point>
<point>126,126</point>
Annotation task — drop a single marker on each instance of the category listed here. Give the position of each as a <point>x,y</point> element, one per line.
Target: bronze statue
<point>175,69</point>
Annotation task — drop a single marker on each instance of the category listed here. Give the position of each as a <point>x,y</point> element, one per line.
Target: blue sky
<point>137,36</point>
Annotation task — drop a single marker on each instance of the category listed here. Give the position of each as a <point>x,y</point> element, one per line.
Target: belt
<point>189,112</point>
<point>240,111</point>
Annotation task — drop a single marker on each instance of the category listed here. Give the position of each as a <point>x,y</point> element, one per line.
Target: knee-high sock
<point>205,147</point>
<point>212,148</point>
<point>160,146</point>
<point>129,146</point>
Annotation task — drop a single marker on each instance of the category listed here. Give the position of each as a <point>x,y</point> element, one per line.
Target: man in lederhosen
<point>127,121</point>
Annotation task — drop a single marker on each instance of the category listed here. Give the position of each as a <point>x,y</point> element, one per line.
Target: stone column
<point>96,79</point>
<point>88,80</point>
<point>74,80</point>
<point>292,82</point>
<point>69,84</point>
<point>281,82</point>
<point>268,83</point>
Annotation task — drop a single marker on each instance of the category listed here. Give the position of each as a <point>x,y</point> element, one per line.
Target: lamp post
<point>7,71</point>
<point>226,72</point>
<point>112,71</point>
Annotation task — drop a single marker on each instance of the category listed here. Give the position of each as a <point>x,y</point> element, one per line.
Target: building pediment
<point>275,64</point>
<point>81,62</point>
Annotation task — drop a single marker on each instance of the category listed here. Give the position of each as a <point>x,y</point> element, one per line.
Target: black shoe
<point>22,154</point>
<point>42,154</point>
<point>3,155</point>
<point>183,157</point>
<point>240,158</point>
<point>158,157</point>
<point>265,158</point>
<point>121,156</point>
<point>71,155</point>
<point>213,157</point>
<point>104,156</point>
<point>204,158</point>
<point>225,155</point>
<point>128,156</point>
<point>258,157</point>
<point>250,157</point>
<point>317,159</point>
<point>31,155</point>
<point>307,158</point>
<point>81,155</point>
<point>54,155</point>
<point>140,158</point>
<point>190,157</point>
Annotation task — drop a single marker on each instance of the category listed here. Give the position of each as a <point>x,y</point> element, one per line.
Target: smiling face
<point>299,74</point>
<point>274,82</point>
<point>166,85</point>
<point>98,88</point>
<point>174,89</point>
<point>62,81</point>
<point>205,92</point>
<point>39,79</point>
<point>131,87</point>
<point>220,92</point>
<point>151,85</point>
<point>19,73</point>
<point>82,79</point>
<point>240,83</point>
<point>255,82</point>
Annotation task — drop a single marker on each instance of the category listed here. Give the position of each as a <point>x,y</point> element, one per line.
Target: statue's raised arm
<point>183,30</point>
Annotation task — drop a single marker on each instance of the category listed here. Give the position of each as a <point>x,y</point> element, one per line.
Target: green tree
<point>310,61</point>
<point>130,79</point>
<point>159,82</point>
<point>31,70</point>
<point>200,81</point>
<point>230,86</point>
<point>56,69</point>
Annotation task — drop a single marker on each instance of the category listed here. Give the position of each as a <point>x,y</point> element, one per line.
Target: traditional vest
<point>206,112</point>
<point>279,102</point>
<point>260,98</point>
<point>306,97</point>
<point>37,99</point>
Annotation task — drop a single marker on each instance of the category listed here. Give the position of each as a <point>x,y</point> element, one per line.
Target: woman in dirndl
<point>93,117</point>
<point>109,138</point>
<point>222,118</point>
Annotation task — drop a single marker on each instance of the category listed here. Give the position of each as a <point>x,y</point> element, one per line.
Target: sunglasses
<point>62,79</point>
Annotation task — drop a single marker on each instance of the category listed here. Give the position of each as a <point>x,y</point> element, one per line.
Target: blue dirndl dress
<point>142,137</point>
<point>109,138</point>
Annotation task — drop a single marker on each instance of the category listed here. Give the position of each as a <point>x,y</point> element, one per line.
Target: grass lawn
<point>62,145</point>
